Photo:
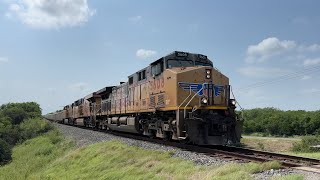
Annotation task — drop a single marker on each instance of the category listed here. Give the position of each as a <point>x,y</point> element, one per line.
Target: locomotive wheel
<point>187,141</point>
<point>152,134</point>
<point>168,136</point>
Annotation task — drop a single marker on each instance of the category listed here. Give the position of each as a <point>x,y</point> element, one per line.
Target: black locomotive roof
<point>92,96</point>
<point>185,55</point>
<point>105,90</point>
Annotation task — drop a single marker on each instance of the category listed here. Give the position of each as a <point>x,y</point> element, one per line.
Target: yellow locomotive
<point>180,96</point>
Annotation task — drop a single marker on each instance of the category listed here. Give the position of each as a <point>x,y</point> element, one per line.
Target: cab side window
<point>157,68</point>
<point>141,75</point>
<point>130,80</point>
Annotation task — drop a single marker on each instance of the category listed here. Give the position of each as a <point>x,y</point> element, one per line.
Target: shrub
<point>19,122</point>
<point>306,143</point>
<point>18,112</point>
<point>33,127</point>
<point>11,134</point>
<point>5,152</point>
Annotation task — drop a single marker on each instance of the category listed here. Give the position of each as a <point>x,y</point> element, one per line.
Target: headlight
<point>204,100</point>
<point>208,73</point>
<point>233,102</point>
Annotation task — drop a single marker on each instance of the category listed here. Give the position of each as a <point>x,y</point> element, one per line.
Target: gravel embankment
<point>84,137</point>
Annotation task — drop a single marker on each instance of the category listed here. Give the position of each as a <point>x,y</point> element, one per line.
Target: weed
<point>261,146</point>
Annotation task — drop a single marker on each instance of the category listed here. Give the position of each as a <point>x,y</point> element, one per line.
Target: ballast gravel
<point>84,137</point>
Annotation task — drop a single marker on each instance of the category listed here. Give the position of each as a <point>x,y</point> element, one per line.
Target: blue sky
<point>54,52</point>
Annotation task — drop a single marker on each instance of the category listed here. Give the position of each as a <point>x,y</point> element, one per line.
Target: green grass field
<point>275,144</point>
<point>53,157</point>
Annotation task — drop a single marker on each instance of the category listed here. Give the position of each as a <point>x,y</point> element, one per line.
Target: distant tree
<point>18,112</point>
<point>281,123</point>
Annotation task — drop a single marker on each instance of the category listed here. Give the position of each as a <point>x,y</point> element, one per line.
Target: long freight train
<point>180,96</point>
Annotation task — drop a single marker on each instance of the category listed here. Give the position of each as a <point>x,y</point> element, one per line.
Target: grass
<point>115,160</point>
<point>315,155</point>
<point>34,155</point>
<point>275,144</point>
<point>50,156</point>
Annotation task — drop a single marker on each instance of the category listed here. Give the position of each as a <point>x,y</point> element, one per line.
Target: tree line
<point>19,122</point>
<point>276,122</point>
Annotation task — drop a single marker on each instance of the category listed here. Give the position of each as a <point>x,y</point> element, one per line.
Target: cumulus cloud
<point>311,48</point>
<point>4,60</point>
<point>311,62</point>
<point>261,72</point>
<point>143,53</point>
<point>51,13</point>
<point>135,19</point>
<point>268,48</point>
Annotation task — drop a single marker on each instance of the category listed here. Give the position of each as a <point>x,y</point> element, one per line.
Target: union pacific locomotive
<point>181,96</point>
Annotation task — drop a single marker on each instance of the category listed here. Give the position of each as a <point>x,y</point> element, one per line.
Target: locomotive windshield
<point>199,63</point>
<point>186,63</point>
<point>179,63</point>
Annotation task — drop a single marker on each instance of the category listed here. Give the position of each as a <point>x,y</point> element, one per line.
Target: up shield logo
<point>202,89</point>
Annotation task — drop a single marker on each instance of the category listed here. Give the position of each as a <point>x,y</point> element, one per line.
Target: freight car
<point>180,96</point>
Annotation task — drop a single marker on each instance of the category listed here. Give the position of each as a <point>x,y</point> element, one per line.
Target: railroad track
<point>232,153</point>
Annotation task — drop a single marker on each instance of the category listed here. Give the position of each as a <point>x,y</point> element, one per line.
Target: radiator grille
<point>161,100</point>
<point>152,101</point>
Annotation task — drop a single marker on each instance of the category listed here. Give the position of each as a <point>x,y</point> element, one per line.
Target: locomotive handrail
<point>185,99</point>
<point>185,107</point>
<point>183,102</point>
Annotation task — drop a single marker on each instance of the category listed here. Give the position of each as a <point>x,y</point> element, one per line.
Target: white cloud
<point>311,62</point>
<point>4,60</point>
<point>305,77</point>
<point>143,53</point>
<point>135,19</point>
<point>51,13</point>
<point>268,48</point>
<point>311,48</point>
<point>262,72</point>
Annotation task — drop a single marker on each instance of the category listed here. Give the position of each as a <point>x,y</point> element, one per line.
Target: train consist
<point>180,96</point>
